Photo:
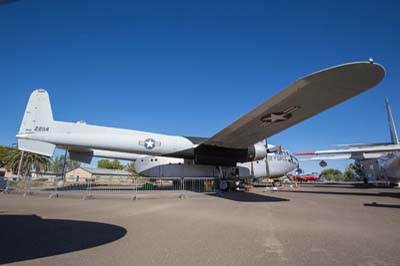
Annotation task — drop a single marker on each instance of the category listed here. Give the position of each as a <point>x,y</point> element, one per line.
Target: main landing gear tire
<point>223,185</point>
<point>276,184</point>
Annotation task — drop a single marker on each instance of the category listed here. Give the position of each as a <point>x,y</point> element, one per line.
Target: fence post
<point>182,187</point>
<point>7,189</point>
<point>28,189</point>
<point>88,192</point>
<point>134,197</point>
<point>55,193</point>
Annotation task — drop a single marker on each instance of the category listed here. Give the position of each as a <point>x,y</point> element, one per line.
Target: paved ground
<point>314,225</point>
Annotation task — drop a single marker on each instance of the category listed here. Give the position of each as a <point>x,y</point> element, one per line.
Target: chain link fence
<point>134,188</point>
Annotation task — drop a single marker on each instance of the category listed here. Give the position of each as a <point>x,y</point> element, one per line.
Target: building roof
<point>102,171</point>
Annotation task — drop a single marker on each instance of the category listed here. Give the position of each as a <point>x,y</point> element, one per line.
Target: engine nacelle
<point>257,152</point>
<point>220,156</point>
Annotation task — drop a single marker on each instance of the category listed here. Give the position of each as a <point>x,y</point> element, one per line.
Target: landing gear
<point>277,183</point>
<point>223,185</point>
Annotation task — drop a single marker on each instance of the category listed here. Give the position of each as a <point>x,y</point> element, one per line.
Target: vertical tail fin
<point>38,118</point>
<point>38,115</point>
<point>393,133</point>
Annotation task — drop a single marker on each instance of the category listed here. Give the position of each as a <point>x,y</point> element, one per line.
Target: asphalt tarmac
<point>314,225</point>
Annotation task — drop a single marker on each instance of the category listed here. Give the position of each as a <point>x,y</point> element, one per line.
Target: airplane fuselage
<point>390,167</point>
<point>274,165</point>
<point>161,156</point>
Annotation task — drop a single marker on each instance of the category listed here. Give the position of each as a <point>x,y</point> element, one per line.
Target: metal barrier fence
<point>138,187</point>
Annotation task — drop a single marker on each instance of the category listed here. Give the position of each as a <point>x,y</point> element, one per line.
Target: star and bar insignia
<point>150,143</point>
<point>278,116</point>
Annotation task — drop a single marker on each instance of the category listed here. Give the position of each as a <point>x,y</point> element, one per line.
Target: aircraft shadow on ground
<point>378,194</point>
<point>249,197</point>
<point>335,185</point>
<point>25,237</point>
<point>374,204</point>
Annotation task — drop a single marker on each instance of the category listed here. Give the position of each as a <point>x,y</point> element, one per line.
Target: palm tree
<point>30,162</point>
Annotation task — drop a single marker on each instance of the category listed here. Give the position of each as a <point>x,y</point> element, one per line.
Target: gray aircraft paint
<point>231,147</point>
<point>380,161</point>
<point>278,164</point>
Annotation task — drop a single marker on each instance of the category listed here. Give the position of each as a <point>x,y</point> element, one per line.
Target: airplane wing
<point>372,149</point>
<point>363,144</point>
<point>323,158</point>
<point>303,99</point>
<point>352,156</point>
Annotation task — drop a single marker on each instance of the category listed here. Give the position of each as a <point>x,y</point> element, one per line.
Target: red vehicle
<point>306,177</point>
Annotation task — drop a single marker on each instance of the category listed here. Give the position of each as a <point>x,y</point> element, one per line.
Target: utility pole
<point>64,165</point>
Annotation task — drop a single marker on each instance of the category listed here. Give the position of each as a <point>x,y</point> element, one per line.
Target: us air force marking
<point>268,119</point>
<point>150,143</point>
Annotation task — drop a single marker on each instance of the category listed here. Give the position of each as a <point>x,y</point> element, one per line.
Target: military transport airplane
<point>379,161</point>
<point>236,152</point>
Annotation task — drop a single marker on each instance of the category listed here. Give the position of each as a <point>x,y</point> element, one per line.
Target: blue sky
<point>193,67</point>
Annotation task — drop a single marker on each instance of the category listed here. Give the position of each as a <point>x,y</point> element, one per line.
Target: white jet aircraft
<point>379,161</point>
<point>236,152</point>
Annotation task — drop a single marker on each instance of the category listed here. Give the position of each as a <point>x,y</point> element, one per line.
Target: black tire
<point>223,185</point>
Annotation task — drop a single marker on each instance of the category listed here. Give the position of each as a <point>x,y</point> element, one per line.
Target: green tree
<point>4,151</point>
<point>58,163</point>
<point>130,167</point>
<point>349,174</point>
<point>117,165</point>
<point>332,174</point>
<point>30,162</point>
<point>107,164</point>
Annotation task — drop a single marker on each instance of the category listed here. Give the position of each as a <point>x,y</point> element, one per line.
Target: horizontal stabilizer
<point>35,146</point>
